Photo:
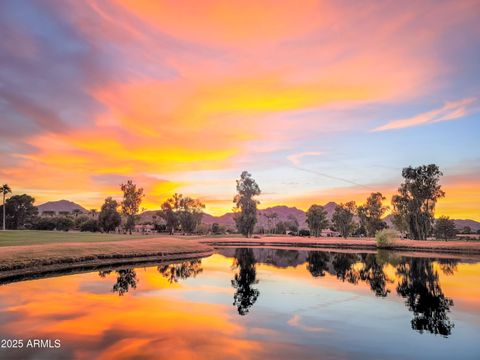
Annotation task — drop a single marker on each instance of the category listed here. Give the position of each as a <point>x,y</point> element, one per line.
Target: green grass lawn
<point>33,237</point>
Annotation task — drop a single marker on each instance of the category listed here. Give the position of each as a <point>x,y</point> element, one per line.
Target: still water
<point>253,304</point>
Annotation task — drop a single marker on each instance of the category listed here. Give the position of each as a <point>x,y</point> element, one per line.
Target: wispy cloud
<point>449,111</point>
<point>295,159</point>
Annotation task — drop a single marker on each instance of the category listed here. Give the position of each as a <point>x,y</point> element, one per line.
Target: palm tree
<point>5,189</point>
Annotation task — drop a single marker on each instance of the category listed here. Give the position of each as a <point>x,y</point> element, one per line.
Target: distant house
<point>329,233</point>
<point>144,229</point>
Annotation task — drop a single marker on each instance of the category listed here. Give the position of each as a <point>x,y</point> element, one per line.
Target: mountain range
<point>283,213</point>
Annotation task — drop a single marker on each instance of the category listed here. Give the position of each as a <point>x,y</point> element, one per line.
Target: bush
<point>79,220</point>
<point>90,225</point>
<point>386,238</point>
<point>43,223</point>
<point>63,223</point>
<point>304,232</point>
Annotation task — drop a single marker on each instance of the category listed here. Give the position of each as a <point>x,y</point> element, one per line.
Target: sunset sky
<point>320,101</point>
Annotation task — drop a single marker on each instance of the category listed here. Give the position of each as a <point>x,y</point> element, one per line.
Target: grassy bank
<point>28,253</point>
<point>45,251</point>
<point>37,237</point>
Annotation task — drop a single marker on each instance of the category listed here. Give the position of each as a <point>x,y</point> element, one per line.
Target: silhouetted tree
<point>292,223</point>
<point>190,214</point>
<point>316,219</point>
<point>245,295</point>
<point>132,198</point>
<point>169,212</point>
<point>342,218</point>
<point>445,228</point>
<point>417,197</point>
<point>5,189</point>
<point>109,218</point>
<point>20,212</point>
<point>246,204</point>
<point>371,213</point>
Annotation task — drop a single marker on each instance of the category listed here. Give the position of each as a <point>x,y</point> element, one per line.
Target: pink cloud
<point>449,111</point>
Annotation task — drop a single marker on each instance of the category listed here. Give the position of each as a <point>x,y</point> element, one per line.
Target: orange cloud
<point>212,86</point>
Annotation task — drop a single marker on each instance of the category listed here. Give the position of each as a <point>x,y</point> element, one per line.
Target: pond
<point>252,304</point>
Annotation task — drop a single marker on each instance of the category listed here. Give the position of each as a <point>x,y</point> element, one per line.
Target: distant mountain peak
<point>60,205</point>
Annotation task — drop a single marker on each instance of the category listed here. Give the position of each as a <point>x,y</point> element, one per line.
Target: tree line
<point>412,212</point>
<point>413,209</point>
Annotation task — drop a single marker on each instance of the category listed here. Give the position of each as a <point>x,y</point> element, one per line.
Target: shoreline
<point>420,246</point>
<point>25,262</point>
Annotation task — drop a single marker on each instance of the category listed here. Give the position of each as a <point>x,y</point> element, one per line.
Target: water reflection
<point>180,271</point>
<point>246,276</point>
<point>418,283</point>
<point>126,279</point>
<point>415,279</point>
<point>317,263</point>
<point>420,286</point>
<point>287,304</point>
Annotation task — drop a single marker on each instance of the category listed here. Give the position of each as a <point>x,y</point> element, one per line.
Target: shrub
<point>43,223</point>
<point>63,223</point>
<point>304,232</point>
<point>445,228</point>
<point>386,238</point>
<point>79,220</point>
<point>91,225</point>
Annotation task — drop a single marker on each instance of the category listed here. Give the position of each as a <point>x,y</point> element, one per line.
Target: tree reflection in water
<point>245,296</point>
<point>126,279</point>
<point>317,263</point>
<point>418,283</point>
<point>373,274</point>
<point>420,287</point>
<point>184,270</point>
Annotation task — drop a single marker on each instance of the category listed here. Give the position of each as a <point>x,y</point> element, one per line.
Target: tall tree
<point>132,198</point>
<point>292,223</point>
<point>342,218</point>
<point>445,228</point>
<point>417,197</point>
<point>5,189</point>
<point>169,212</point>
<point>246,205</point>
<point>20,211</point>
<point>371,214</point>
<point>109,218</point>
<point>317,219</point>
<point>400,223</point>
<point>190,214</point>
